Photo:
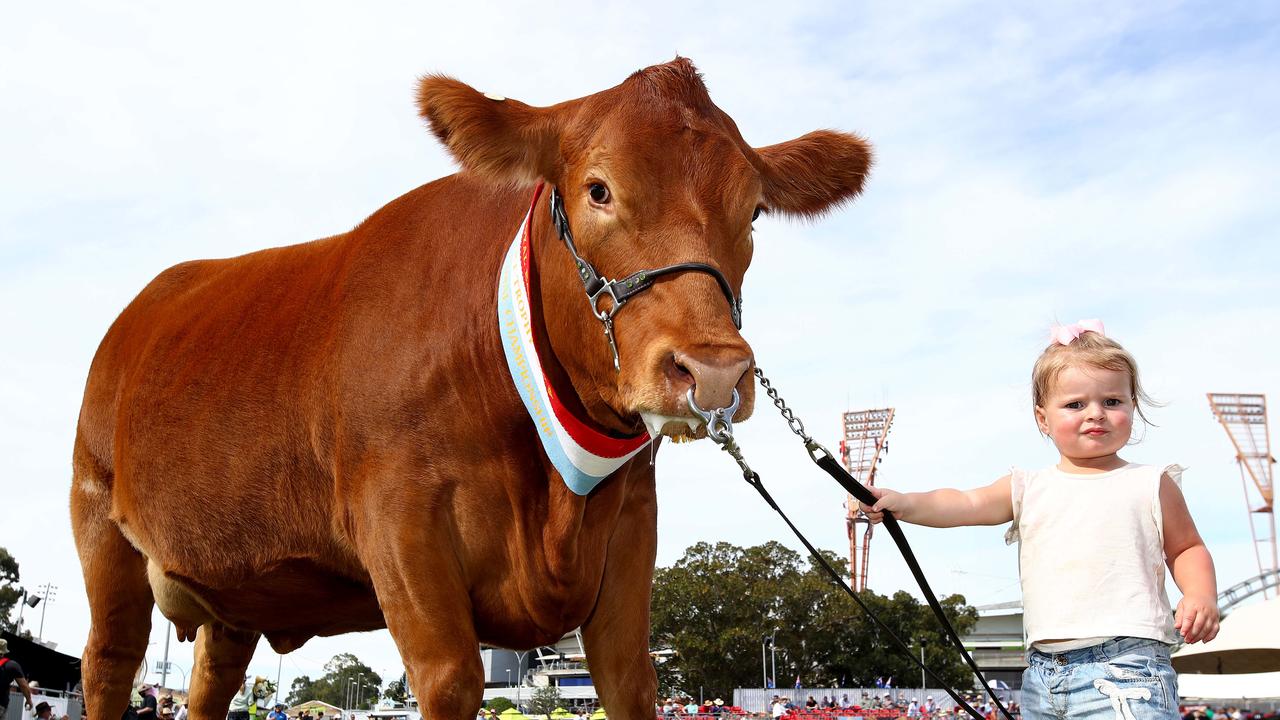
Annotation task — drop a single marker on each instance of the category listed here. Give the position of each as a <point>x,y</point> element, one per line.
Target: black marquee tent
<point>52,669</point>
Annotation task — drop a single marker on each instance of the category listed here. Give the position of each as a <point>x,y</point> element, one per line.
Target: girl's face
<point>1088,415</point>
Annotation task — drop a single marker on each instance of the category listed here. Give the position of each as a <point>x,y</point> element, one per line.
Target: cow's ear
<point>504,140</point>
<point>815,172</point>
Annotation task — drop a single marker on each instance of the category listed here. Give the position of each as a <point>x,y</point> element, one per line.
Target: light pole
<point>28,600</point>
<point>764,661</point>
<point>773,659</point>
<point>50,592</point>
<point>164,674</point>
<point>184,677</point>
<point>923,641</point>
<point>508,677</point>
<point>359,688</point>
<point>275,698</point>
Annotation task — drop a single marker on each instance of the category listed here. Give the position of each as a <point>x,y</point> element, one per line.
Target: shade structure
<point>1248,642</point>
<point>512,714</point>
<point>561,714</point>
<point>1222,687</point>
<point>598,714</point>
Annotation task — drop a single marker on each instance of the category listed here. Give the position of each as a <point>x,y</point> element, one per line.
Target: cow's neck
<point>579,447</point>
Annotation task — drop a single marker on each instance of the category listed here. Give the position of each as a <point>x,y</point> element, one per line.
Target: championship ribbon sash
<point>582,455</point>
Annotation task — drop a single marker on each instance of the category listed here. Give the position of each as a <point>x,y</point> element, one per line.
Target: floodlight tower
<point>865,438</point>
<point>1244,417</point>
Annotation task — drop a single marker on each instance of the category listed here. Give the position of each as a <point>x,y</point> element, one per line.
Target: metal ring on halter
<point>719,422</point>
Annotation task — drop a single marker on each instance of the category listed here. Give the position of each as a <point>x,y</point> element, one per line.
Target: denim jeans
<point>1124,678</point>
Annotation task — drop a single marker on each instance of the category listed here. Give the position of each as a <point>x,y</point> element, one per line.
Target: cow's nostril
<point>679,371</point>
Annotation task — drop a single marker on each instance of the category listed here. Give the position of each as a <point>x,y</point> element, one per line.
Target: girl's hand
<point>886,499</point>
<point>1196,618</point>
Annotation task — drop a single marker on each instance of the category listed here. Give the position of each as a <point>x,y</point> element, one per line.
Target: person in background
<point>147,710</point>
<point>239,709</point>
<point>11,672</point>
<point>43,711</point>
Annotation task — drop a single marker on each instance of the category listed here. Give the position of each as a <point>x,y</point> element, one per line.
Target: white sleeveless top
<point>1091,555</point>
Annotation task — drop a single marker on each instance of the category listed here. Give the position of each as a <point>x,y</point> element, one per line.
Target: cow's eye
<point>599,193</point>
<point>756,215</point>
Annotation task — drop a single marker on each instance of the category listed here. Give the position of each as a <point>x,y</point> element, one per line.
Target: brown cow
<point>359,386</point>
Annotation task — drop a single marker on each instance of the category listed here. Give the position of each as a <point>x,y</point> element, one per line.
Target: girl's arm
<point>1196,617</point>
<point>990,505</point>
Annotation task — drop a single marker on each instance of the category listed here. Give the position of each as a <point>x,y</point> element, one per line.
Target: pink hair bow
<point>1066,334</point>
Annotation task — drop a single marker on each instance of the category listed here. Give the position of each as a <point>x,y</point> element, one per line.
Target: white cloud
<point>1036,163</point>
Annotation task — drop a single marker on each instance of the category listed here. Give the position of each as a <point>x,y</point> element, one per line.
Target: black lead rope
<point>753,479</point>
<point>862,494</point>
<point>720,430</point>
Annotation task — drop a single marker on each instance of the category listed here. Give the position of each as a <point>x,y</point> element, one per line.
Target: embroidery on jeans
<point>1120,696</point>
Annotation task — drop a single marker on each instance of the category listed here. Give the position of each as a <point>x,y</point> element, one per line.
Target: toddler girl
<point>1095,533</point>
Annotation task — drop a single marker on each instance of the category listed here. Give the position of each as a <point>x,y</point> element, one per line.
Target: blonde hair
<point>1090,348</point>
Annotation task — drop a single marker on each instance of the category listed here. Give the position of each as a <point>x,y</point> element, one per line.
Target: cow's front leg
<point>429,615</point>
<point>616,637</point>
<point>221,656</point>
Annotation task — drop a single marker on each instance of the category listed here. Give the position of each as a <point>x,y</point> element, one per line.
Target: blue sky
<point>1034,163</point>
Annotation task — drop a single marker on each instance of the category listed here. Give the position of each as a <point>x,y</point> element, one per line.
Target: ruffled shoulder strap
<point>1017,486</point>
<point>1157,511</point>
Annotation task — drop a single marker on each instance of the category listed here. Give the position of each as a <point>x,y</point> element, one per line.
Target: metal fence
<point>755,700</point>
<point>62,703</point>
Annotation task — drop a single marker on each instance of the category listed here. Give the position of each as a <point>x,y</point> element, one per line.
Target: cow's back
<point>216,399</point>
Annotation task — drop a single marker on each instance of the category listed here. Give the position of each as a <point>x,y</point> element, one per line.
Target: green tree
<point>544,700</point>
<point>345,679</point>
<point>10,593</point>
<point>713,607</point>
<point>716,606</point>
<point>302,690</point>
<point>398,689</point>
<point>500,704</point>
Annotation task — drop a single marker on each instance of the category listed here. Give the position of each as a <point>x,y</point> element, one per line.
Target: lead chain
<point>797,426</point>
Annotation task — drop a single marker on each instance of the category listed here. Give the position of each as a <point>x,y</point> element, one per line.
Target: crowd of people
<point>1206,712</point>
<point>884,705</point>
<point>685,707</point>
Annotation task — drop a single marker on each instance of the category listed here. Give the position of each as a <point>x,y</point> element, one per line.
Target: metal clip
<point>719,422</point>
<point>613,346</point>
<point>816,449</point>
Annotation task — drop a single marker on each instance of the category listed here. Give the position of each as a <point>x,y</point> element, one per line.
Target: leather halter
<point>625,288</point>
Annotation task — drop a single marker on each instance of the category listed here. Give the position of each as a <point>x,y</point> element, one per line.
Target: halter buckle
<point>607,286</point>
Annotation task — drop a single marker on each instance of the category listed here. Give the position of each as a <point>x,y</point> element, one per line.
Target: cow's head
<point>652,174</point>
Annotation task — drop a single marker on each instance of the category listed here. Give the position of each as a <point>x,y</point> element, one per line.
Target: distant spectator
<point>43,711</point>
<point>11,671</point>
<point>147,710</point>
<point>811,703</point>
